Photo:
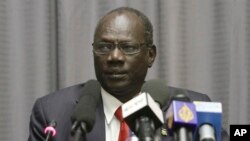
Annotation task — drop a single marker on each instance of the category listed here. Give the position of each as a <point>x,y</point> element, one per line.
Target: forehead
<point>121,26</point>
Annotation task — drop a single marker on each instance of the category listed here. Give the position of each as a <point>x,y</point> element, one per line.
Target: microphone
<point>209,121</point>
<point>142,114</point>
<point>158,90</point>
<point>181,118</point>
<point>50,130</point>
<point>83,117</point>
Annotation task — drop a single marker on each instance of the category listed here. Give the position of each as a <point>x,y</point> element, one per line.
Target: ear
<point>151,55</point>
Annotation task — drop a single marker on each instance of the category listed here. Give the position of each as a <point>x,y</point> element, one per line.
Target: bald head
<point>120,16</point>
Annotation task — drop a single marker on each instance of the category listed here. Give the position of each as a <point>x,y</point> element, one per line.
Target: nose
<point>116,56</point>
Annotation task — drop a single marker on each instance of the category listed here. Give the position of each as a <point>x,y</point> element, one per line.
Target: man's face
<point>118,73</point>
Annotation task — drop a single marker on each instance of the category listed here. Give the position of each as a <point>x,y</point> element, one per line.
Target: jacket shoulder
<point>70,93</point>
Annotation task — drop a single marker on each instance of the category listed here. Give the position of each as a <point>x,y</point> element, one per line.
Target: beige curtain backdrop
<point>203,45</point>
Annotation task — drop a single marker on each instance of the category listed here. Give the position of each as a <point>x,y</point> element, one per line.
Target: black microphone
<point>142,114</point>
<point>83,117</point>
<point>158,90</point>
<point>181,118</point>
<point>50,130</point>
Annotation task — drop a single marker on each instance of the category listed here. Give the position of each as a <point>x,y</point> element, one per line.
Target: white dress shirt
<point>112,124</point>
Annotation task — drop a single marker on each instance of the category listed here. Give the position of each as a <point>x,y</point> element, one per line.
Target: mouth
<point>116,75</point>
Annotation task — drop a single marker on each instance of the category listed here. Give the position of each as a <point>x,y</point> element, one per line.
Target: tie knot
<point>118,114</point>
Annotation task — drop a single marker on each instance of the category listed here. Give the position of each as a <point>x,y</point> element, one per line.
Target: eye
<point>104,47</point>
<point>130,48</point>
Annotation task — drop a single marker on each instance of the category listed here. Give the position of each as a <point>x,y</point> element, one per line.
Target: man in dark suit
<point>123,51</point>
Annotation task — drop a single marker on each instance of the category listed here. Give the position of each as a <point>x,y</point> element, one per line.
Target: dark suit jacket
<point>59,106</point>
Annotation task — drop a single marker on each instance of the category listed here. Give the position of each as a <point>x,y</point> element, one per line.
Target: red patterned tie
<point>124,130</point>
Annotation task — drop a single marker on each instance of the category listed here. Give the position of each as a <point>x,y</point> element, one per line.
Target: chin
<point>117,88</point>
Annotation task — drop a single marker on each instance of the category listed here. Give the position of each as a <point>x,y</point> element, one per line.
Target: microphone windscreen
<point>93,88</point>
<point>85,110</point>
<point>180,95</point>
<point>158,90</point>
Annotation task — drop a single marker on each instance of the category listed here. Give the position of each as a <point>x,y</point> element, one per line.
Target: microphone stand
<point>50,130</point>
<point>48,136</point>
<point>183,134</point>
<point>145,129</point>
<point>79,131</point>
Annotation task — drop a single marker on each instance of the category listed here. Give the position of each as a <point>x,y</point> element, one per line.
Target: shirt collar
<point>110,104</point>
